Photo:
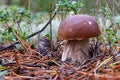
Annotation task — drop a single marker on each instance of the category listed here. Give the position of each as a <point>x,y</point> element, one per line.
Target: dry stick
<point>116,6</point>
<point>51,23</point>
<point>9,46</point>
<point>56,77</point>
<point>84,75</point>
<point>107,76</point>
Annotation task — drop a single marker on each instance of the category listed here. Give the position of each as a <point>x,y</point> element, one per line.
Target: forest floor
<point>28,64</point>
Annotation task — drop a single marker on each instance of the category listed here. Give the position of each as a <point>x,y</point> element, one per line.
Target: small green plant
<point>110,36</point>
<point>106,12</point>
<point>111,32</point>
<point>14,19</point>
<point>68,6</point>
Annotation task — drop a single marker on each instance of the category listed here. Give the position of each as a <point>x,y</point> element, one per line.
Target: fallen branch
<point>12,45</point>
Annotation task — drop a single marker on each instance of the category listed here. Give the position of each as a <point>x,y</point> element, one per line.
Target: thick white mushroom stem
<point>76,50</point>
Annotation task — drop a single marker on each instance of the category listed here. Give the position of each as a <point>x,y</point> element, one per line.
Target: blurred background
<point>36,5</point>
<point>44,5</point>
<point>105,11</point>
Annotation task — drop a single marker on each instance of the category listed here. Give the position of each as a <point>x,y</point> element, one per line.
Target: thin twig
<point>9,46</point>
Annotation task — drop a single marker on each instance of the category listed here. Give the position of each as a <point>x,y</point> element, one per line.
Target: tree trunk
<point>7,2</point>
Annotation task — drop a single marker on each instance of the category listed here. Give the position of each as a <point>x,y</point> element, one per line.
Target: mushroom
<point>76,31</point>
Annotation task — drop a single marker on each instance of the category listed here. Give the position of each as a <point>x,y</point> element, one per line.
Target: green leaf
<point>14,8</point>
<point>10,30</point>
<point>9,36</point>
<point>1,12</point>
<point>2,73</point>
<point>47,35</point>
<point>64,1</point>
<point>1,68</point>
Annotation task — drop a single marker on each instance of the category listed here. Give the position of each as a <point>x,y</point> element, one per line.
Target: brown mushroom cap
<point>78,27</point>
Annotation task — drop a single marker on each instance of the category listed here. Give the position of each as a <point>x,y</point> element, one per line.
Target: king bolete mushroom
<point>76,30</point>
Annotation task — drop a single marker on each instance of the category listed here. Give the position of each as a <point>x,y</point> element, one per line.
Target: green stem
<point>29,5</point>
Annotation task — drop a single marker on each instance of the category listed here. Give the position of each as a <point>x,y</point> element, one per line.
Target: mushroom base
<point>76,50</point>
